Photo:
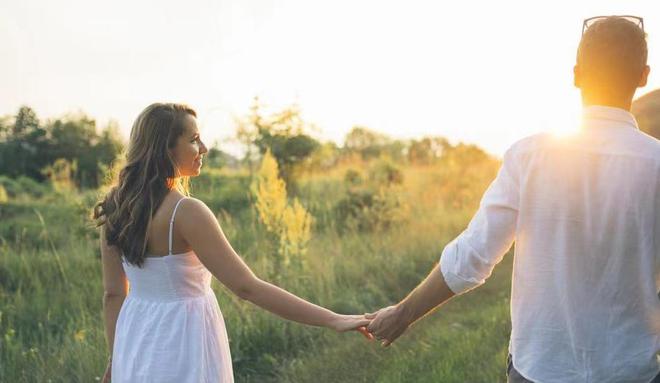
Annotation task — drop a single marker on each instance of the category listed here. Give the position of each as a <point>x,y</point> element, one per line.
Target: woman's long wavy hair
<point>149,173</point>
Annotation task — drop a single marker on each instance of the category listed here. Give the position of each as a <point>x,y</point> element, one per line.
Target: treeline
<point>71,144</point>
<point>286,135</point>
<point>67,150</point>
<point>73,148</point>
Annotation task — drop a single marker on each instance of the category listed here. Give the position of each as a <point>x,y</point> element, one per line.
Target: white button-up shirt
<point>584,211</point>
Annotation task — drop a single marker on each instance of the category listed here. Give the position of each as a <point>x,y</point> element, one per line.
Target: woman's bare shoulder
<point>192,208</point>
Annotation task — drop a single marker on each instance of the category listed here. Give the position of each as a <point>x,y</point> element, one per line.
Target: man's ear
<point>645,76</point>
<point>576,76</point>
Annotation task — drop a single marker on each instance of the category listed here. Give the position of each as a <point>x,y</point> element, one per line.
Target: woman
<point>169,327</point>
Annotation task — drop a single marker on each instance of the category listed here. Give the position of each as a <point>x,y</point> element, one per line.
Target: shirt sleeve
<point>468,260</point>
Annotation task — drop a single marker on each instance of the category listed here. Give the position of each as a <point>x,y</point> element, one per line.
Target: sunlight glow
<point>567,126</point>
<point>496,73</point>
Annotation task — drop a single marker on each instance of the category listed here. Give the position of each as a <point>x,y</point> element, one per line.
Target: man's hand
<point>387,324</point>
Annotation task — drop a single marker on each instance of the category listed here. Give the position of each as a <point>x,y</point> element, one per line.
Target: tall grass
<point>51,327</point>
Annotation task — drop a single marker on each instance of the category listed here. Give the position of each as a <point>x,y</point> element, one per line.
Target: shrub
<point>3,195</point>
<point>352,177</point>
<point>23,187</point>
<point>61,174</point>
<point>11,187</point>
<point>375,205</point>
<point>385,173</point>
<point>369,210</point>
<point>222,192</point>
<point>33,188</point>
<point>290,224</point>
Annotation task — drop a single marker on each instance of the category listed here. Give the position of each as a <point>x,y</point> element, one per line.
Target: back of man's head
<point>611,58</point>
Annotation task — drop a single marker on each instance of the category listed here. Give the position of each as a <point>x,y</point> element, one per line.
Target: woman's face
<point>189,149</point>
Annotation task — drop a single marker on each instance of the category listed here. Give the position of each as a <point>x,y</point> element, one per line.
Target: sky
<point>482,72</point>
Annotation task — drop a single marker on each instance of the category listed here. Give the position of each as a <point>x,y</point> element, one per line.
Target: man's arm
<point>391,322</point>
<point>466,262</point>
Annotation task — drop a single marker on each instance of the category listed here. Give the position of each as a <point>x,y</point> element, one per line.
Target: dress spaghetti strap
<point>171,308</point>
<point>169,239</point>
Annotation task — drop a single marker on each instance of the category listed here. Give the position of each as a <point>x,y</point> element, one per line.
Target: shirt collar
<point>599,116</point>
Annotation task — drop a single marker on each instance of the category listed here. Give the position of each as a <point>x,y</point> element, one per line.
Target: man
<point>585,214</point>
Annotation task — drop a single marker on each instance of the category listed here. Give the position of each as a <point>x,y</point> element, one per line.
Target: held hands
<point>387,324</point>
<point>391,322</point>
<point>343,323</point>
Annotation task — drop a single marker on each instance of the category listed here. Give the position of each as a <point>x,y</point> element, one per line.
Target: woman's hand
<point>343,323</point>
<point>388,324</point>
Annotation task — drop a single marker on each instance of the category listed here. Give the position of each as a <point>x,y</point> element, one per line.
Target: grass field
<point>51,326</point>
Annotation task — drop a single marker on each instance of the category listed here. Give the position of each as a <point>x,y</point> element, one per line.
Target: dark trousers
<point>513,376</point>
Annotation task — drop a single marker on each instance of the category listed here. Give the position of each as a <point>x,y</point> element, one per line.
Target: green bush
<point>10,185</point>
<point>373,205</point>
<point>3,195</point>
<point>33,188</point>
<point>368,210</point>
<point>222,192</point>
<point>43,224</point>
<point>23,187</point>
<point>352,177</point>
<point>385,173</point>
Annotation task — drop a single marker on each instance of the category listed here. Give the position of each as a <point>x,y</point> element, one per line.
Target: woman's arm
<point>201,230</point>
<point>289,306</point>
<point>115,288</point>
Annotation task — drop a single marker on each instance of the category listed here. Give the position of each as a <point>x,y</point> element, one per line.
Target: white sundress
<point>170,328</point>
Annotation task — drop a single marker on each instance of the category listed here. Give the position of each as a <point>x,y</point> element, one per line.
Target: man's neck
<point>621,103</point>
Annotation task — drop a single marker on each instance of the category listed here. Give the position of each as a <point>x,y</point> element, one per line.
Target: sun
<point>565,124</point>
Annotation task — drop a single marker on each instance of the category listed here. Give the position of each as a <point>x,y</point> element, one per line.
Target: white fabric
<point>169,234</point>
<point>170,328</point>
<point>584,211</point>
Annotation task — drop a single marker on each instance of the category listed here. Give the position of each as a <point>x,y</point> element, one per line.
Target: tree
<point>366,142</point>
<point>324,157</point>
<point>218,158</point>
<point>427,150</point>
<point>247,133</point>
<point>5,129</point>
<point>108,148</point>
<point>283,134</point>
<point>74,138</point>
<point>24,147</point>
<point>26,122</point>
<point>30,148</point>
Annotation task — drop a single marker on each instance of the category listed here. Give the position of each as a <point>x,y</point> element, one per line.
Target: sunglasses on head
<point>634,19</point>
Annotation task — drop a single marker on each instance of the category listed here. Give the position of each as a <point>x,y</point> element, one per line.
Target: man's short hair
<point>613,51</point>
